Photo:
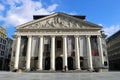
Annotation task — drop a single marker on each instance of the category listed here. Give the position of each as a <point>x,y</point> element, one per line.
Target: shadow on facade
<point>59,63</point>
<point>70,63</point>
<point>47,63</point>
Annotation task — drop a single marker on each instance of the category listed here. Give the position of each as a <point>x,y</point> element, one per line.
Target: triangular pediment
<point>59,21</point>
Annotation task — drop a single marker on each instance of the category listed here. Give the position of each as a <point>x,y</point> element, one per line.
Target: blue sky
<point>102,12</point>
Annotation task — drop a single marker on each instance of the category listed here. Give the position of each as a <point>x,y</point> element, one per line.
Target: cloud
<point>73,13</point>
<point>1,7</point>
<point>111,30</point>
<point>22,11</point>
<point>52,7</point>
<point>100,24</point>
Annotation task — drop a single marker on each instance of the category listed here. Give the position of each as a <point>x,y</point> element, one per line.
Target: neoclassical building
<point>59,42</point>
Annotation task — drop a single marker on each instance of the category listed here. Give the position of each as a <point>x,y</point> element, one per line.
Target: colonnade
<point>52,66</point>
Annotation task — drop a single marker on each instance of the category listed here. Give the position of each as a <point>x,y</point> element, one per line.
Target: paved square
<point>60,76</point>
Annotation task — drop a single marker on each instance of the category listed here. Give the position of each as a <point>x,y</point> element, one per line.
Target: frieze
<point>58,33</point>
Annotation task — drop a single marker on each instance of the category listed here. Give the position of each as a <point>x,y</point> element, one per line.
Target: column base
<point>52,69</point>
<point>103,70</point>
<point>65,69</point>
<point>39,69</point>
<point>27,70</point>
<point>91,70</point>
<point>17,70</point>
<point>78,69</point>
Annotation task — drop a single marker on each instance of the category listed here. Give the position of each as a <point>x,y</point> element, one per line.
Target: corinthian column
<point>90,63</point>
<point>17,52</point>
<point>52,52</point>
<point>77,56</point>
<point>28,57</point>
<point>100,51</point>
<point>65,66</point>
<point>40,55</point>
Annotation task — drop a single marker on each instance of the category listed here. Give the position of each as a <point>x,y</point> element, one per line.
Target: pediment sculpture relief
<point>55,22</point>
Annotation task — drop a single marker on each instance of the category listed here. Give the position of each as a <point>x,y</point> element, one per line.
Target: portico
<point>57,42</point>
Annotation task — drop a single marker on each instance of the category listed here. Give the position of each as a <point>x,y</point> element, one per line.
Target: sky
<point>101,12</point>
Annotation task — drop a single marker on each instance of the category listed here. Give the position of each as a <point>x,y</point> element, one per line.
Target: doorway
<point>47,63</point>
<point>70,63</point>
<point>59,63</point>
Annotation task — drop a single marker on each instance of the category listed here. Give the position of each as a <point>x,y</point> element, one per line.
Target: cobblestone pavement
<point>60,76</point>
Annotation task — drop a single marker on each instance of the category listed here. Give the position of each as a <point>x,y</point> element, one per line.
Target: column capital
<point>64,36</point>
<point>88,36</point>
<point>99,36</point>
<point>52,35</point>
<point>40,36</point>
<point>76,36</point>
<point>29,36</point>
<point>16,36</point>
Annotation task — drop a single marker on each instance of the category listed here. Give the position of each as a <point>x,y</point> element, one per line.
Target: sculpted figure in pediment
<point>58,22</point>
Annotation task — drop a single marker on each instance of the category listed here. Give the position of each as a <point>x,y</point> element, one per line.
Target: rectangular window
<point>46,48</point>
<point>3,47</point>
<point>105,63</point>
<point>4,42</point>
<point>2,53</point>
<point>1,40</point>
<point>59,44</point>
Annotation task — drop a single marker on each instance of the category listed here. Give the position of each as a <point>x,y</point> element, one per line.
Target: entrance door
<point>47,63</point>
<point>70,63</point>
<point>59,63</point>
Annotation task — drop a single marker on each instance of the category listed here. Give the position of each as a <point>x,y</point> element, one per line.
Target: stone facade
<point>113,46</point>
<point>5,49</point>
<point>58,42</point>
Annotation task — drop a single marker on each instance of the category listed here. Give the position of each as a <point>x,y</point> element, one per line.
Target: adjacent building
<point>3,36</point>
<point>113,47</point>
<point>5,49</point>
<point>59,42</point>
<point>8,53</point>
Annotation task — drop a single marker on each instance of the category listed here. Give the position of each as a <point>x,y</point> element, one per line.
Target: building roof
<point>35,17</point>
<point>113,36</point>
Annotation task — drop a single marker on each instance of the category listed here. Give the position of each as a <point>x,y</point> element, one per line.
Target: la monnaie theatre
<point>59,42</point>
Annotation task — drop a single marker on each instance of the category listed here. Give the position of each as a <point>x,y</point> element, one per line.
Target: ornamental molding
<point>44,33</point>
